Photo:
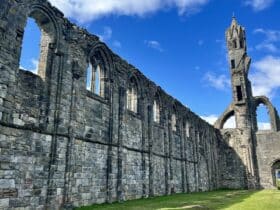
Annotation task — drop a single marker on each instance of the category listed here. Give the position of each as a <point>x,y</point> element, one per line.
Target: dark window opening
<point>241,44</point>
<point>232,64</point>
<point>239,93</point>
<point>234,44</point>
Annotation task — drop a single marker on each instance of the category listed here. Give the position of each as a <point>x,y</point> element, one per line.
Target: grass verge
<point>217,200</point>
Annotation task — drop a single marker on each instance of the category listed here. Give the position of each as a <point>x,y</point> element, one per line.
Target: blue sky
<point>180,44</point>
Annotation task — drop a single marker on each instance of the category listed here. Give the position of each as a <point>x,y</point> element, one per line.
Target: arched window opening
<point>97,81</point>
<point>38,40</point>
<point>132,97</point>
<point>100,72</point>
<point>187,128</point>
<point>173,122</point>
<point>89,78</point>
<point>241,44</point>
<point>30,56</point>
<point>263,119</point>
<point>230,122</point>
<point>276,174</point>
<point>156,111</point>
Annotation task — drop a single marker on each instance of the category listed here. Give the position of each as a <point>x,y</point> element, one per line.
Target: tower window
<point>241,44</point>
<point>239,93</point>
<point>232,64</point>
<point>234,44</point>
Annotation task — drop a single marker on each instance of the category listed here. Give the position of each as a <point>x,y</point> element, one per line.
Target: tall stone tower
<point>242,138</point>
<point>239,67</point>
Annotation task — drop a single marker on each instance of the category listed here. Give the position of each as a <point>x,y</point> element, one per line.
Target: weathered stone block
<point>4,203</point>
<point>7,183</point>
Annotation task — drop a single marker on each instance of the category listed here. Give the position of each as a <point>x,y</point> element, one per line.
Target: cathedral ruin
<point>65,144</point>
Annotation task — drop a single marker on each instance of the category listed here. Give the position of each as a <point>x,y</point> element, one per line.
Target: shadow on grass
<point>215,200</point>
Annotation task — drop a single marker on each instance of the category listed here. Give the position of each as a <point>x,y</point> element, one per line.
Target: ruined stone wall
<point>268,153</point>
<point>232,169</point>
<point>62,145</point>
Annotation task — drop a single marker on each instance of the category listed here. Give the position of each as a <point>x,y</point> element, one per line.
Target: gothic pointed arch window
<point>187,129</point>
<point>173,122</point>
<point>94,82</point>
<point>40,34</point>
<point>156,109</point>
<point>97,81</point>
<point>174,119</point>
<point>263,118</point>
<point>97,76</point>
<point>132,96</point>
<point>89,83</point>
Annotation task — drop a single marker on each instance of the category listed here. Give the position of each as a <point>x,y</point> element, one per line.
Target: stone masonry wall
<point>268,152</point>
<point>64,146</point>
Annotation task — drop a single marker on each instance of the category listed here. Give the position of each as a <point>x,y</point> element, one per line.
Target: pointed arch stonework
<point>273,115</point>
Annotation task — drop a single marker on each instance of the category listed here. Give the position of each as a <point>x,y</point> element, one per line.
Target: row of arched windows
<point>96,73</point>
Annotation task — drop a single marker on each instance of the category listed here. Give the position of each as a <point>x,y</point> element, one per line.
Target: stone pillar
<point>182,137</point>
<point>185,140</point>
<point>122,103</point>
<point>170,141</point>
<point>166,152</point>
<point>71,132</point>
<point>146,158</point>
<point>195,143</point>
<point>109,173</point>
<point>150,140</point>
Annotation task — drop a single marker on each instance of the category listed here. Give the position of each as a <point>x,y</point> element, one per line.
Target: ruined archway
<point>45,20</point>
<point>271,111</point>
<point>275,171</point>
<point>220,123</point>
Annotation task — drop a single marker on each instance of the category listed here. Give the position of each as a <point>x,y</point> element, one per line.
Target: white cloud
<point>230,123</point>
<point>264,126</point>
<point>220,82</point>
<point>87,10</point>
<point>271,37</point>
<point>154,45</point>
<point>106,35</point>
<point>34,63</point>
<point>211,119</point>
<point>267,46</point>
<point>265,77</point>
<point>259,5</point>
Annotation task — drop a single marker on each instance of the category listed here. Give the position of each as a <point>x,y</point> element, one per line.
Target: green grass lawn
<point>223,199</point>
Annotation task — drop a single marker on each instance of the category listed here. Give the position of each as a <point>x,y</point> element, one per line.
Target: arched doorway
<point>276,174</point>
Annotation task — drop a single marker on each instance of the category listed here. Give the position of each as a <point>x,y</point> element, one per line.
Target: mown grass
<point>217,200</point>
